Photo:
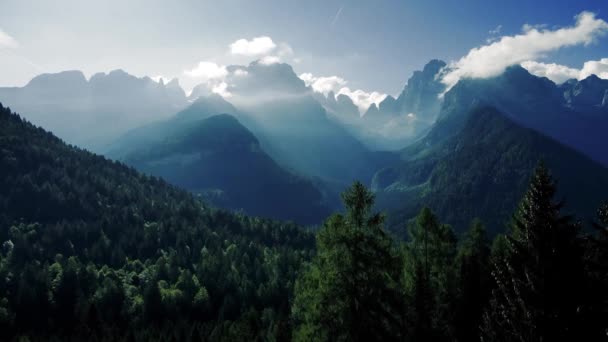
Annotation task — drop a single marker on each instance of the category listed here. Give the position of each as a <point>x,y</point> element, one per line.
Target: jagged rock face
<point>585,95</point>
<point>420,96</point>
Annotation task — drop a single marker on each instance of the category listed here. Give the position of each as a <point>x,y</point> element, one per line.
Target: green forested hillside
<point>94,250</point>
<point>482,171</point>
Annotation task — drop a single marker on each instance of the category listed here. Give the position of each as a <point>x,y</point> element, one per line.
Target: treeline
<point>544,280</point>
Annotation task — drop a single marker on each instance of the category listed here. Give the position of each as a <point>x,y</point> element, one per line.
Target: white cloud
<point>492,59</point>
<point>599,68</point>
<point>221,89</point>
<point>268,60</point>
<point>207,71</point>
<point>284,50</point>
<point>561,73</point>
<point>324,85</point>
<point>363,99</point>
<point>258,46</point>
<point>6,41</point>
<point>555,72</point>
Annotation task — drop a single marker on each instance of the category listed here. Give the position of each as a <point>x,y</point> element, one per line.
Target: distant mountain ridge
<point>91,113</point>
<point>394,122</point>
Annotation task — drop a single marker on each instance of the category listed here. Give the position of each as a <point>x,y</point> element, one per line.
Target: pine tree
<point>473,282</point>
<point>538,282</point>
<point>595,309</point>
<point>430,277</point>
<point>350,292</point>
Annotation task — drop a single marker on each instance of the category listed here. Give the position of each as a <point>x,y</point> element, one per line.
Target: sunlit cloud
<point>258,46</point>
<point>207,71</point>
<point>533,43</point>
<point>561,73</point>
<point>326,84</point>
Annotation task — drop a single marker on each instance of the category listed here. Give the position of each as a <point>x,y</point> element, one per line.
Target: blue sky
<point>372,45</point>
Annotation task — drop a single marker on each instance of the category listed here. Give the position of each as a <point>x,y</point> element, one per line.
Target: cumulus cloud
<point>599,68</point>
<point>555,72</point>
<point>6,41</point>
<point>561,73</point>
<point>206,71</point>
<point>534,42</point>
<point>284,50</point>
<point>268,60</point>
<point>212,76</point>
<point>221,89</point>
<point>323,84</point>
<point>257,46</point>
<point>336,84</point>
<point>263,48</point>
<point>362,99</point>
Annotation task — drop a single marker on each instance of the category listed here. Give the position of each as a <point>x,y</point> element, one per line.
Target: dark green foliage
<point>350,290</point>
<point>540,281</point>
<point>92,250</point>
<point>595,309</point>
<point>474,282</point>
<point>430,277</point>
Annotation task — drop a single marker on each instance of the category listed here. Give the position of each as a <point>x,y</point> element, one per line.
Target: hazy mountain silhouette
<point>92,113</point>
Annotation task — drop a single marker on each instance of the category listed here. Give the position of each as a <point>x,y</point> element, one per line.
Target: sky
<point>361,48</point>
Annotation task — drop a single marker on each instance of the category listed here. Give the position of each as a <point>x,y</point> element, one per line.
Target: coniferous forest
<point>285,170</point>
<point>93,250</point>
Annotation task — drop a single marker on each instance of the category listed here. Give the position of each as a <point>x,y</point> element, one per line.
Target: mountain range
<point>465,152</point>
<point>92,113</point>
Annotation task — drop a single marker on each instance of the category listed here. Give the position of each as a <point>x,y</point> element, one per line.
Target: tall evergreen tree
<point>595,308</point>
<point>473,282</point>
<point>350,291</point>
<point>539,281</point>
<point>430,277</point>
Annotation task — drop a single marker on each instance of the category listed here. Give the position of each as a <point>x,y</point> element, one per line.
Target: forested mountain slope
<point>482,171</point>
<point>92,249</point>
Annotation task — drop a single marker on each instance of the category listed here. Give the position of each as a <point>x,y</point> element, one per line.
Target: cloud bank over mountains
<point>561,73</point>
<point>532,44</point>
<point>220,79</point>
<point>337,85</point>
<point>528,48</point>
<point>531,48</point>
